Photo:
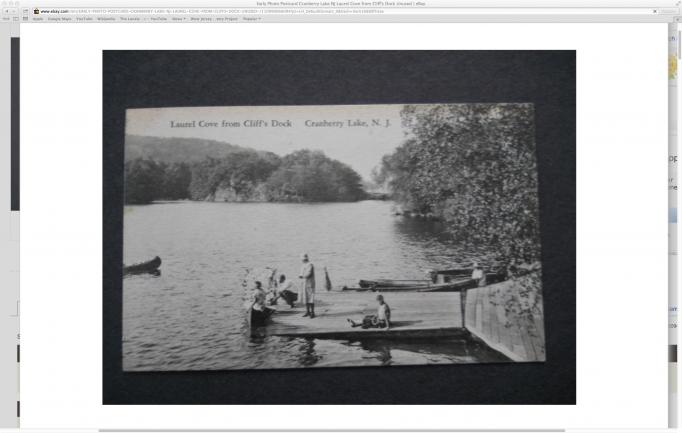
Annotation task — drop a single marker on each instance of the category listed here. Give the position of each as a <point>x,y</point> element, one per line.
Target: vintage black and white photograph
<point>307,236</point>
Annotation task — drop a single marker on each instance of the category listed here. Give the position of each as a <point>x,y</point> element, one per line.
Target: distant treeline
<point>244,175</point>
<point>474,167</point>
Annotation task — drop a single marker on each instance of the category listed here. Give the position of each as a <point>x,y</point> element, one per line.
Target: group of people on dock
<point>284,289</point>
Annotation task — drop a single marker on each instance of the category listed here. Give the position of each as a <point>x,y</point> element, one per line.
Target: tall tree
<point>474,165</point>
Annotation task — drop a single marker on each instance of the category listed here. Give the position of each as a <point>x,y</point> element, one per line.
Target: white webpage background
<point>621,230</point>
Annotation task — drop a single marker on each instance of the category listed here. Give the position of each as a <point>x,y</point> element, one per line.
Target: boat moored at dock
<point>367,284</point>
<point>448,280</point>
<point>428,286</point>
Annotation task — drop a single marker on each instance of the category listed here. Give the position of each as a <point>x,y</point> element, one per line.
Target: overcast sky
<point>361,147</point>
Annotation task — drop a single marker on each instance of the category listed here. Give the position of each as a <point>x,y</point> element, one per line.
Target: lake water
<point>191,317</point>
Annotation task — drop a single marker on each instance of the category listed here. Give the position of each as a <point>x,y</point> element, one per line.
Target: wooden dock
<point>422,315</point>
<point>519,338</point>
<point>414,314</point>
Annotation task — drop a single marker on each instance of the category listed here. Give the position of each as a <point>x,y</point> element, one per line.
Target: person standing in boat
<point>259,311</point>
<point>259,296</point>
<point>478,275</point>
<point>308,286</point>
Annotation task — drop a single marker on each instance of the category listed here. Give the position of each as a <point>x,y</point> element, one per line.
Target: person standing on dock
<point>308,285</point>
<point>478,275</point>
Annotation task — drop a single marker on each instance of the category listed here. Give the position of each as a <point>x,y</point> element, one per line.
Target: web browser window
<point>339,215</point>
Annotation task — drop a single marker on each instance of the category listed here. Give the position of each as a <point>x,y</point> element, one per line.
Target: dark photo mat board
<point>143,79</point>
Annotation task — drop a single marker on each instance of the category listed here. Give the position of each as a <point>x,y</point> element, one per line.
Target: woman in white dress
<point>307,290</point>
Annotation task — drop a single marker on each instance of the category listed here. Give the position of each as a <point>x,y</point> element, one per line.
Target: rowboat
<point>383,289</point>
<point>258,318</point>
<point>392,283</point>
<point>452,286</point>
<point>148,267</point>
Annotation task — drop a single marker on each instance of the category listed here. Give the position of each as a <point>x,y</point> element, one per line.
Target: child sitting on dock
<point>380,320</point>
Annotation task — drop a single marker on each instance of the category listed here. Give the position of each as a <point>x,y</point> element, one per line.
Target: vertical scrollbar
<point>14,196</point>
<point>9,229</point>
<point>14,139</point>
<point>673,57</point>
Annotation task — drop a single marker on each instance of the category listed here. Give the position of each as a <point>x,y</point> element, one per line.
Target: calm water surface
<point>192,316</point>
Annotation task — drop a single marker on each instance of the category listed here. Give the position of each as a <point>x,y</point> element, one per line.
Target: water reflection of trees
<point>307,356</point>
<point>455,350</point>
<point>420,230</point>
<point>433,241</point>
<point>426,239</point>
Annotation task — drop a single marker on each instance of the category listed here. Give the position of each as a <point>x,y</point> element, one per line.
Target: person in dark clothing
<point>284,291</point>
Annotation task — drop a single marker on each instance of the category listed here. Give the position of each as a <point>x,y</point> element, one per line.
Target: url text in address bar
<point>383,11</point>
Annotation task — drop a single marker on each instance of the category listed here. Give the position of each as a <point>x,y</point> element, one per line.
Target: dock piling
<point>463,305</point>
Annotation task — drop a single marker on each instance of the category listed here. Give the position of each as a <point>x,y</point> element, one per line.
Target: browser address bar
<point>357,10</point>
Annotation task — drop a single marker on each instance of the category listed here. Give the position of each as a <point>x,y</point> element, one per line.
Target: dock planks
<point>414,314</point>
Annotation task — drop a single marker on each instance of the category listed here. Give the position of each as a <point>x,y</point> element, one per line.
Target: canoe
<point>148,267</point>
<point>384,288</point>
<point>392,283</point>
<point>453,286</point>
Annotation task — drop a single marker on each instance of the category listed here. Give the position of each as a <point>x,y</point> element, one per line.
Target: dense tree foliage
<point>147,180</point>
<point>305,175</point>
<point>240,173</point>
<point>144,180</point>
<point>244,175</point>
<point>177,178</point>
<point>474,166</point>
